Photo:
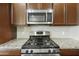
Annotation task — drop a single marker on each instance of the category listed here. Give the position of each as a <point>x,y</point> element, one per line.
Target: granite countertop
<point>64,43</point>
<point>13,44</point>
<point>67,43</point>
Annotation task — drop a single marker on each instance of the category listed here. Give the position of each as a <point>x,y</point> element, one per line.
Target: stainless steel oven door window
<point>37,17</point>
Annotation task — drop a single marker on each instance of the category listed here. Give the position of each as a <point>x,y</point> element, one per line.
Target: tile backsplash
<point>55,31</point>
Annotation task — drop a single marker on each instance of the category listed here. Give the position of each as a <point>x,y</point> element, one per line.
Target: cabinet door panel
<point>6,32</point>
<point>19,13</point>
<point>59,14</point>
<point>69,52</point>
<point>71,13</point>
<point>45,5</point>
<point>39,5</point>
<point>10,52</point>
<point>32,5</point>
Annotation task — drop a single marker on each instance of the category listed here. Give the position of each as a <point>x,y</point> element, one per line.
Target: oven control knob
<point>55,51</point>
<point>31,51</point>
<point>49,51</point>
<point>26,51</point>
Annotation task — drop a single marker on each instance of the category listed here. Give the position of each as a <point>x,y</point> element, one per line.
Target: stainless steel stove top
<point>39,42</point>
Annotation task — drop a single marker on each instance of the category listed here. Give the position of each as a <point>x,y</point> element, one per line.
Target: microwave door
<point>37,17</point>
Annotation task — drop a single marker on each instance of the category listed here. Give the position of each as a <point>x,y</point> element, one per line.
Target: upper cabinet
<point>6,29</point>
<point>58,14</point>
<point>32,6</point>
<point>46,6</point>
<point>39,5</point>
<point>18,11</point>
<point>71,14</point>
<point>65,14</point>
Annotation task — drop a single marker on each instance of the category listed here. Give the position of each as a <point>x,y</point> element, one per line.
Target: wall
<point>55,31</point>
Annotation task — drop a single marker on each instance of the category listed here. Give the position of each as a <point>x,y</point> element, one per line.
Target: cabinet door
<point>10,52</point>
<point>71,13</point>
<point>33,5</point>
<point>59,14</point>
<point>6,32</point>
<point>69,52</point>
<point>39,5</point>
<point>18,13</point>
<point>45,5</point>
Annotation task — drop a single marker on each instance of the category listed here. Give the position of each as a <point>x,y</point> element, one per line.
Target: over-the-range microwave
<point>39,16</point>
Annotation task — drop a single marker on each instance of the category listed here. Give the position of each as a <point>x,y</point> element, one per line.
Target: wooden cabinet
<point>65,14</point>
<point>6,29</point>
<point>59,16</point>
<point>69,52</point>
<point>18,13</point>
<point>39,5</point>
<point>32,6</point>
<point>71,14</point>
<point>45,5</point>
<point>10,52</point>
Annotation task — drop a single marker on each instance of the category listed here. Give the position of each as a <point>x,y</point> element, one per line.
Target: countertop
<point>67,43</point>
<point>13,44</point>
<point>64,43</point>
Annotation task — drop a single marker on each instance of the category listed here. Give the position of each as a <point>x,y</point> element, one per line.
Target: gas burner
<point>47,43</point>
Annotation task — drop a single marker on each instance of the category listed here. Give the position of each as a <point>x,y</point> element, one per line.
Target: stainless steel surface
<point>54,50</point>
<point>40,54</point>
<point>44,33</point>
<point>40,44</point>
<point>39,11</point>
<point>37,20</point>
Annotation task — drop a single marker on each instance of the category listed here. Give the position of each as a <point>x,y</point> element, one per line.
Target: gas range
<point>40,45</point>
